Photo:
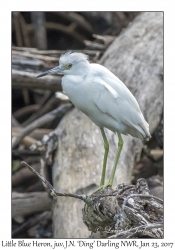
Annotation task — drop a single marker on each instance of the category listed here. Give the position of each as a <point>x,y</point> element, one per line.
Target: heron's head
<point>70,63</point>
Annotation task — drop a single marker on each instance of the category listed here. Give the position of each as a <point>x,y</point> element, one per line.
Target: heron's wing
<point>112,97</point>
<point>106,98</point>
<point>121,105</point>
<point>103,94</point>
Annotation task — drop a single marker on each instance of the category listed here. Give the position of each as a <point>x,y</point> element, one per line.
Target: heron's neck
<point>82,68</point>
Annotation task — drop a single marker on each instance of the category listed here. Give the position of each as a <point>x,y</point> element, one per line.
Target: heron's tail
<point>140,130</point>
<point>145,130</point>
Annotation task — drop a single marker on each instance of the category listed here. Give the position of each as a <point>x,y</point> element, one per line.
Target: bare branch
<point>40,122</point>
<point>142,196</point>
<point>52,189</point>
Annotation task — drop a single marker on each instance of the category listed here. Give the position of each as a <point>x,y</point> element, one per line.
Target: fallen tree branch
<point>40,122</point>
<point>23,79</point>
<point>37,134</point>
<point>77,18</point>
<point>26,110</point>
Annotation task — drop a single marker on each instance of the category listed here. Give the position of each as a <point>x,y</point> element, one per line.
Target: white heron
<point>104,98</point>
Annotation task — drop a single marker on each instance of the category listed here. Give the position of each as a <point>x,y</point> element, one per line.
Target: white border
<point>5,94</point>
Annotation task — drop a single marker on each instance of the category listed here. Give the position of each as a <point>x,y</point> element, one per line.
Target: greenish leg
<point>120,146</point>
<point>106,147</point>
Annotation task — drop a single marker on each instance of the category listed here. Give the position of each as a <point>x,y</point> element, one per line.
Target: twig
<point>84,198</point>
<point>23,175</point>
<point>79,19</point>
<point>105,39</point>
<point>67,29</point>
<point>26,110</point>
<point>26,97</point>
<point>113,193</point>
<point>24,31</point>
<point>40,122</point>
<point>43,109</point>
<point>94,45</point>
<point>15,123</point>
<point>140,195</point>
<point>47,95</point>
<point>21,153</point>
<point>17,29</point>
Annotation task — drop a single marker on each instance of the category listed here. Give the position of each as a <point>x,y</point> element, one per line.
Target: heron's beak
<point>56,70</point>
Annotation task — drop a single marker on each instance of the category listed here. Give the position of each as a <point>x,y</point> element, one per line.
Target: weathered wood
<point>28,203</point>
<point>22,79</point>
<point>36,134</point>
<point>136,57</point>
<point>101,42</point>
<point>54,54</point>
<point>58,112</point>
<point>27,141</point>
<point>28,63</point>
<point>15,123</point>
<point>32,221</point>
<point>116,212</point>
<point>124,212</point>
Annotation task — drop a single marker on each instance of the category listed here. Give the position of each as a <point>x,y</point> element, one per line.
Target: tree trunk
<point>136,57</point>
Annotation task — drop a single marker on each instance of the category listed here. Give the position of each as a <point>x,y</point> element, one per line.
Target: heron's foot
<point>102,187</point>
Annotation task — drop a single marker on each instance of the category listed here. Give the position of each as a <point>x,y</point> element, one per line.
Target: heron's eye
<point>68,66</point>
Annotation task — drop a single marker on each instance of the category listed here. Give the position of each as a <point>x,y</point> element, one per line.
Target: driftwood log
<point>136,57</point>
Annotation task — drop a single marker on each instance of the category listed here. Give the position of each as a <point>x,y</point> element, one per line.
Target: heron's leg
<point>106,147</point>
<point>120,146</point>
